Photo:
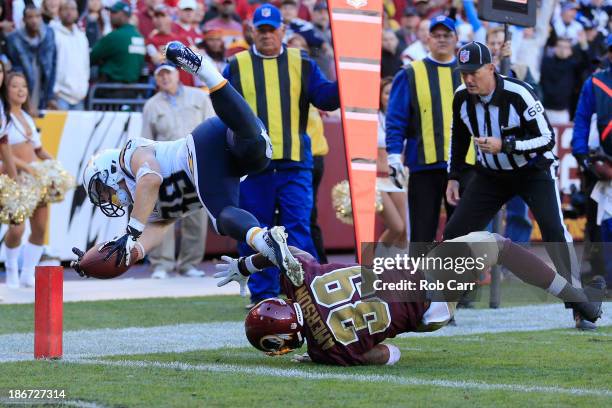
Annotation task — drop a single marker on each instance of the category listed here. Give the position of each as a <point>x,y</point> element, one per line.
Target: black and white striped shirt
<point>513,103</point>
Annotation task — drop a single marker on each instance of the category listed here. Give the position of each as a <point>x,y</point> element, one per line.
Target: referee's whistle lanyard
<point>487,130</point>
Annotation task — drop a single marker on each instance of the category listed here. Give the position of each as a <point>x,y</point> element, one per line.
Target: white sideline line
<point>311,375</point>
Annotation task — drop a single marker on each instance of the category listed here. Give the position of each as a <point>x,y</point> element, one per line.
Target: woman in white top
<point>6,155</point>
<point>394,199</point>
<point>26,147</point>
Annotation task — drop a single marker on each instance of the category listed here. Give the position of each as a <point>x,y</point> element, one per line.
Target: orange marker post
<point>48,312</point>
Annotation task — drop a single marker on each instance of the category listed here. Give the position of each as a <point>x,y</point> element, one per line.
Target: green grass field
<point>559,367</point>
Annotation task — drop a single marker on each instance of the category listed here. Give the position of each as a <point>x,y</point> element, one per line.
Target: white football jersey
<point>177,194</point>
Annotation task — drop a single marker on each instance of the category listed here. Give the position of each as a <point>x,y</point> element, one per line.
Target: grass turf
<point>162,311</point>
<point>546,358</point>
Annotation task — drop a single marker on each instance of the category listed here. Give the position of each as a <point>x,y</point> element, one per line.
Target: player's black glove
<point>76,265</point>
<point>122,246</point>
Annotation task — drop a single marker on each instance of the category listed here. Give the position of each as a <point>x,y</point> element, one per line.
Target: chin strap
<point>280,352</point>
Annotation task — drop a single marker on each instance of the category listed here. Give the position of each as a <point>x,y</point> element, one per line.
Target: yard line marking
<point>50,402</point>
<point>313,375</point>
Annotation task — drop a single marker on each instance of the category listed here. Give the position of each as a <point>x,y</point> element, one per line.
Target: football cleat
<point>590,311</point>
<point>277,252</point>
<point>183,57</point>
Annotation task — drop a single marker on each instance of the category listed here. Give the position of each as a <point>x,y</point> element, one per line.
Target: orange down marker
<point>48,312</point>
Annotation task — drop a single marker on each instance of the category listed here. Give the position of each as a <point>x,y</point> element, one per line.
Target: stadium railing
<point>119,97</point>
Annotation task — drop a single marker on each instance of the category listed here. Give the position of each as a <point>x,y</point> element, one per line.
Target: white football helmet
<point>101,181</point>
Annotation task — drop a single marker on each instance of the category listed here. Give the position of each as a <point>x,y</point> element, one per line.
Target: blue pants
<point>289,191</point>
<point>518,224</point>
<point>606,238</point>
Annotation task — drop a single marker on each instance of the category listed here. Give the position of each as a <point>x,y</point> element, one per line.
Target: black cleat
<point>183,57</point>
<point>589,312</point>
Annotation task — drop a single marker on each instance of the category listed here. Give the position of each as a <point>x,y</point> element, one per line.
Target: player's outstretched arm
<point>146,170</point>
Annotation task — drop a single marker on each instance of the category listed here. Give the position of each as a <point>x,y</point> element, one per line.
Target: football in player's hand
<point>93,264</point>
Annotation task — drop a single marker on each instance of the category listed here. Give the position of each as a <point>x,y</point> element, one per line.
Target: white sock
<point>254,237</point>
<point>210,75</point>
<point>31,258</point>
<point>11,265</point>
<point>557,285</point>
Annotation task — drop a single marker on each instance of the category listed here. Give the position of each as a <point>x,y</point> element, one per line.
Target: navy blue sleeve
<point>226,73</point>
<point>582,119</point>
<point>398,113</point>
<point>322,92</point>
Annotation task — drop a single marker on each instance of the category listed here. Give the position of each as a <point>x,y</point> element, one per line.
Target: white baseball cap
<point>187,4</point>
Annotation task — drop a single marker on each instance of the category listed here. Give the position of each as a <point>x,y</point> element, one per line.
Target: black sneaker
<point>589,312</point>
<point>183,57</point>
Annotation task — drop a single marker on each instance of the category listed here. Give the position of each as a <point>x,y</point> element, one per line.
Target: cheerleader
<point>26,147</point>
<point>393,198</point>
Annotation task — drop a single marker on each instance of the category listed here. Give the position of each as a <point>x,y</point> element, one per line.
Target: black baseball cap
<point>472,56</point>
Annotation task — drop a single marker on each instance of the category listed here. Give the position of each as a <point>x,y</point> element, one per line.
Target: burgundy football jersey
<point>339,326</point>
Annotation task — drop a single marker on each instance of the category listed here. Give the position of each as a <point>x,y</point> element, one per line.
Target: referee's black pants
<point>488,191</point>
<point>425,194</point>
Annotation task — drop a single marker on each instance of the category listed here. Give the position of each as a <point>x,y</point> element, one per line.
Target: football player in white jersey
<point>164,181</point>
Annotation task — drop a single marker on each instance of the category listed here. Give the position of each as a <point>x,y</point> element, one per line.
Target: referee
<point>514,141</point>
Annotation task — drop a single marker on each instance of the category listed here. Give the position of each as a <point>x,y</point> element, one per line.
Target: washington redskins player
<point>326,308</point>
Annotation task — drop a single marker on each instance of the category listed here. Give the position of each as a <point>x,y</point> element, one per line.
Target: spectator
<point>120,54</point>
<point>286,184</point>
<point>146,15</point>
<point>534,39</point>
<point>171,114</point>
<point>418,50</point>
<point>186,26</point>
<point>224,24</point>
<point>407,34</point>
<point>591,48</point>
<point>72,80</point>
<point>96,22</point>
<point>32,51</point>
<point>394,198</point>
<point>245,43</point>
<point>567,26</point>
<point>27,148</point>
<point>559,78</point>
<point>214,48</point>
<point>295,25</point>
<point>162,35</point>
<point>50,11</point>
<point>500,49</point>
<point>598,13</point>
<point>390,61</point>
<point>6,27</point>
<point>324,55</point>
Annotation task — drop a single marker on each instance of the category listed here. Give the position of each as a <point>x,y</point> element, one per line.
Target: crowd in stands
<point>91,41</point>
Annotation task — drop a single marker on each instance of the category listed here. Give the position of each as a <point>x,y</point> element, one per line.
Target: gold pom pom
<point>17,201</point>
<point>341,201</point>
<point>51,179</point>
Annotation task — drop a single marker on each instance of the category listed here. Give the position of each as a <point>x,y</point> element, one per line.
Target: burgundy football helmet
<point>275,326</point>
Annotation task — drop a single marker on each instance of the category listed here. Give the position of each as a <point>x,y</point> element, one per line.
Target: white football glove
<point>229,272</point>
<point>397,171</point>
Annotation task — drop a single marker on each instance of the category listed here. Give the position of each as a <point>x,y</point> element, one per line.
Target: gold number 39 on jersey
<point>336,289</point>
